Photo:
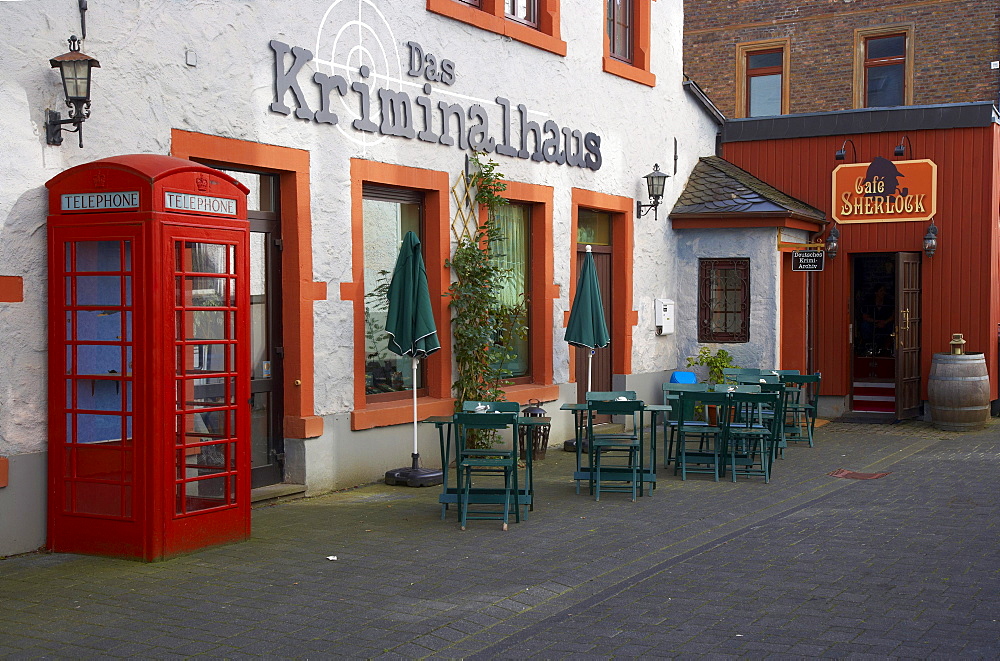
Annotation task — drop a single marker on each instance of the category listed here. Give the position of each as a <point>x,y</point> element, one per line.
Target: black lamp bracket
<point>642,209</point>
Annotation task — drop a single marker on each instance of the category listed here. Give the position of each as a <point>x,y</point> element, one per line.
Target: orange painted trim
<point>522,393</point>
<point>11,289</point>
<point>490,17</point>
<point>298,291</point>
<point>624,318</point>
<point>793,339</point>
<point>639,69</point>
<point>4,472</point>
<point>436,246</point>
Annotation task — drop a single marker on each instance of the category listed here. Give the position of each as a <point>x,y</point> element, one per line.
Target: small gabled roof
<point>717,188</point>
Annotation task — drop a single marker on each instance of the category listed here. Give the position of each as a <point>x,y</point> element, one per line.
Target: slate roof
<point>718,187</point>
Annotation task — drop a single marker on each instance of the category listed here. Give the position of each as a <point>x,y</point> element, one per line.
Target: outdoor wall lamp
<point>655,181</point>
<point>833,242</point>
<point>74,69</point>
<point>841,153</point>
<point>900,149</point>
<point>930,239</point>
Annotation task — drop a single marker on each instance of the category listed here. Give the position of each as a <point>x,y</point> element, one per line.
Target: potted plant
<point>714,363</point>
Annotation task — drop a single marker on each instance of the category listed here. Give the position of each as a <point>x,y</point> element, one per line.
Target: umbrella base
<point>414,476</point>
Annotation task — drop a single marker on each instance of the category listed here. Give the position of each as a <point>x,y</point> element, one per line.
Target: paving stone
<point>809,565</point>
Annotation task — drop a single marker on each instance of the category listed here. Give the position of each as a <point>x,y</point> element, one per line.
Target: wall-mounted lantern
<point>655,182</point>
<point>74,68</point>
<point>900,149</point>
<point>841,153</point>
<point>833,242</point>
<point>930,239</point>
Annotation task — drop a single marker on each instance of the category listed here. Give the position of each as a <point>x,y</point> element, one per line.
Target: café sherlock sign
<point>885,191</point>
<point>394,113</point>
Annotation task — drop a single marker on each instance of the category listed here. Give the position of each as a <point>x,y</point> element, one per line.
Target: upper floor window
<point>883,66</point>
<point>533,22</point>
<point>885,70</point>
<point>627,39</point>
<point>524,11</point>
<point>762,79</point>
<point>724,300</point>
<point>620,16</point>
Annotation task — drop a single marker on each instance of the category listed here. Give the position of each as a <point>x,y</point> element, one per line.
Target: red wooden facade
<point>960,284</point>
<point>148,358</point>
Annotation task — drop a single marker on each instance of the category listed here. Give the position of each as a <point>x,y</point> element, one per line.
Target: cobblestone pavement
<point>906,566</point>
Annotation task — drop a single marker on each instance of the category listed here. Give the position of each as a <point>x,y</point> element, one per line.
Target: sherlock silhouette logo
<point>388,112</point>
<point>885,191</point>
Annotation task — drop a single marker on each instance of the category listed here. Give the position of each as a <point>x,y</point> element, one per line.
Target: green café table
<point>647,472</point>
<point>449,491</point>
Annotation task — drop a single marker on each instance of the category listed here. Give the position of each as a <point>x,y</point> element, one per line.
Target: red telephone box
<point>149,380</point>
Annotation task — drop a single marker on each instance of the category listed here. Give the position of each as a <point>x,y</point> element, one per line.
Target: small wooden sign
<point>808,260</point>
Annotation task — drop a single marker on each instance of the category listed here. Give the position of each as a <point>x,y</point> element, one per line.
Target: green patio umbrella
<point>410,325</point>
<point>587,327</point>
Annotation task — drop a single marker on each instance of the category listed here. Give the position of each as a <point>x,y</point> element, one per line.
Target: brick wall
<point>954,43</point>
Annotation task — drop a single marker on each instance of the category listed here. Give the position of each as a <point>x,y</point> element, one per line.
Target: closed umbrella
<point>587,327</point>
<point>411,329</point>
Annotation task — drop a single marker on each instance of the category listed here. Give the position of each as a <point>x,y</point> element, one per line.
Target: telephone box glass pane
<point>205,292</point>
<point>100,394</point>
<point>99,256</point>
<point>206,258</point>
<point>103,359</point>
<point>98,290</point>
<point>99,325</point>
<point>203,325</point>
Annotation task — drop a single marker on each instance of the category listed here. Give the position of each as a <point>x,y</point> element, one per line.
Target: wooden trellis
<point>466,219</point>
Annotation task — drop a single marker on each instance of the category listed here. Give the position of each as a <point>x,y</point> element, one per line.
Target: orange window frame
<point>491,15</point>
<point>542,291</point>
<point>298,291</point>
<point>435,244</point>
<point>638,70</point>
<point>624,318</point>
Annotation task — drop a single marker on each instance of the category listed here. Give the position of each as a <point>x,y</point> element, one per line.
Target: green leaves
<point>717,362</point>
<point>481,320</point>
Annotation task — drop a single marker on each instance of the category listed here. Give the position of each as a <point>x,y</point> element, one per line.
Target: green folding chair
<point>802,397</point>
<point>485,463</point>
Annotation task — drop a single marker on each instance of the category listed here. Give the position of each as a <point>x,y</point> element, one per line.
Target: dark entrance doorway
<point>594,229</point>
<point>266,411</point>
<point>886,334</point>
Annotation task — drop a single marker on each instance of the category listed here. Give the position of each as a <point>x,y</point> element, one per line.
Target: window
<point>620,29</point>
<point>883,67</point>
<point>627,38</point>
<point>389,213</point>
<point>523,11</point>
<point>762,79</point>
<point>723,300</point>
<point>533,22</point>
<point>514,222</point>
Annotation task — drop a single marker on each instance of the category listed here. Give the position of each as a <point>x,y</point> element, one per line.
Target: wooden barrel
<point>958,391</point>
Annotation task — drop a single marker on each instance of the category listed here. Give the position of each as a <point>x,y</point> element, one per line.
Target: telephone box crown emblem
<point>100,180</point>
<point>202,183</point>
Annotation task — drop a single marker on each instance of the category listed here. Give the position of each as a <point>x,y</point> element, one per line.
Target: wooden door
<point>601,365</point>
<point>907,335</point>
